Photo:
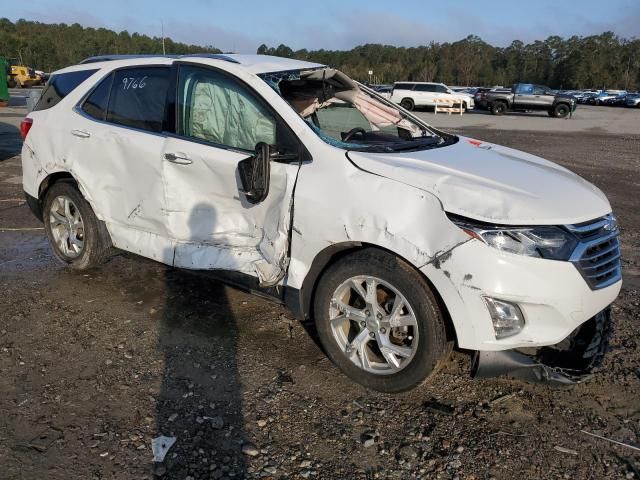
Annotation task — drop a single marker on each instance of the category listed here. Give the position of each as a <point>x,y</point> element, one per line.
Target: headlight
<point>548,242</point>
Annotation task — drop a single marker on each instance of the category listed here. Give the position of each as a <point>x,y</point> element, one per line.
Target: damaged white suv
<point>293,181</point>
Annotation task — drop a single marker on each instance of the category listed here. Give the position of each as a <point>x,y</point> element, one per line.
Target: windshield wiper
<point>417,143</point>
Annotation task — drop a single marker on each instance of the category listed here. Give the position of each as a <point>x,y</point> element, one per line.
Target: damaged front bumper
<point>569,362</point>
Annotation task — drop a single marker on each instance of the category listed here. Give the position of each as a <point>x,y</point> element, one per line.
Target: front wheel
<point>379,321</point>
<point>76,235</point>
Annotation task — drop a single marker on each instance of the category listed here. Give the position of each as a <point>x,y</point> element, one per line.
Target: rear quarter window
<point>403,86</point>
<point>59,86</point>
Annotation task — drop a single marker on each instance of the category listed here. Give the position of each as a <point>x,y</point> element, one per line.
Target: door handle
<point>178,158</point>
<point>80,133</point>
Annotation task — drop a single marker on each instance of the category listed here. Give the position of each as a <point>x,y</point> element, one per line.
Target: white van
<point>410,95</point>
<point>291,180</point>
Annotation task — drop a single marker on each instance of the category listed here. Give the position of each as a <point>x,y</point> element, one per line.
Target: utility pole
<point>164,52</point>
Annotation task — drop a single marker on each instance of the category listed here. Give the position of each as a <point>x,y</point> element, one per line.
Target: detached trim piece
<point>560,364</point>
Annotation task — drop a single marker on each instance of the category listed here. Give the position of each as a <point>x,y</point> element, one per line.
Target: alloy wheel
<point>67,227</point>
<point>374,325</point>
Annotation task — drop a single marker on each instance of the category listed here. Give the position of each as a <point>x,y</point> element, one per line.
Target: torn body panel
<point>211,221</point>
<point>355,206</point>
<point>572,361</point>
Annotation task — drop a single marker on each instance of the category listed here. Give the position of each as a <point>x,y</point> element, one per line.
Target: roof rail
<point>109,58</point>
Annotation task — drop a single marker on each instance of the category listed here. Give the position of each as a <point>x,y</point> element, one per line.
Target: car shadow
<point>200,399</point>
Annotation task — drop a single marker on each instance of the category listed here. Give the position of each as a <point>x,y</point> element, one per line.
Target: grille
<point>597,255</point>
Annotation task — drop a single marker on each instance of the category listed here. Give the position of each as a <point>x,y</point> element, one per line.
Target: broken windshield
<point>348,115</point>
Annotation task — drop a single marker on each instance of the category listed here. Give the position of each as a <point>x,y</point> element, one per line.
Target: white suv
<point>426,94</point>
<point>293,181</point>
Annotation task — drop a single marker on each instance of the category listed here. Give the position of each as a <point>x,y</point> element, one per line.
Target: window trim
<point>78,107</point>
<point>172,106</point>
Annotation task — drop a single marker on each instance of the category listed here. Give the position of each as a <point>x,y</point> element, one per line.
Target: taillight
<point>25,126</point>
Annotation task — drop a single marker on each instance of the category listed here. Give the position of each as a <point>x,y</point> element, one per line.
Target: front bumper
<point>552,295</point>
<point>572,361</point>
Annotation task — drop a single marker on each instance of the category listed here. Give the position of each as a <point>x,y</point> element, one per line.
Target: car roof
<point>253,63</point>
<point>421,83</point>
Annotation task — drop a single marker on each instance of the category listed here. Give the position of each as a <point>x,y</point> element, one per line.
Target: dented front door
<point>219,122</point>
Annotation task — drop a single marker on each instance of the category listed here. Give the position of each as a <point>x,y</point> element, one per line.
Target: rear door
<point>425,94</point>
<point>219,121</point>
<point>115,146</point>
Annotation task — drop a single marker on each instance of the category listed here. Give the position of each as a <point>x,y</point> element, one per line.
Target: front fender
<point>363,208</point>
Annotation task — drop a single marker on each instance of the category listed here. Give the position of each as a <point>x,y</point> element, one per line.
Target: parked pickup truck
<point>526,96</point>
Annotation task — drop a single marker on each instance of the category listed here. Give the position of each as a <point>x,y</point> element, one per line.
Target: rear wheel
<point>379,321</point>
<point>77,237</point>
<point>498,108</point>
<point>561,110</point>
<point>407,104</point>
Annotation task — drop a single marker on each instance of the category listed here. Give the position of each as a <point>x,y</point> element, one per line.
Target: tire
<point>420,313</point>
<point>561,110</point>
<point>407,104</point>
<point>498,108</point>
<point>87,244</point>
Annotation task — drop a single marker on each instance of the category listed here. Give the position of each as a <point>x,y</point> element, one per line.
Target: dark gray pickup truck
<point>527,96</point>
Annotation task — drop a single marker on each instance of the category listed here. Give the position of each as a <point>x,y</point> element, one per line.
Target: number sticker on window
<point>129,83</point>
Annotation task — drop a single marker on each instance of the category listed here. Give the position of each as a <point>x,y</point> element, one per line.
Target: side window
<point>138,97</point>
<point>96,104</point>
<point>425,88</point>
<point>539,90</point>
<point>404,86</point>
<point>525,89</point>
<point>217,108</point>
<point>441,89</point>
<point>59,86</point>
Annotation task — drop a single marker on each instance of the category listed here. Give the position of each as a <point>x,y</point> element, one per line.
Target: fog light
<point>507,317</point>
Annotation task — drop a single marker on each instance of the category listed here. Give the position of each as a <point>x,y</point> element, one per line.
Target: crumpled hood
<point>492,183</point>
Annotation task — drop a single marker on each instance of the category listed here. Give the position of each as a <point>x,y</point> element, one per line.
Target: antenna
<point>162,33</point>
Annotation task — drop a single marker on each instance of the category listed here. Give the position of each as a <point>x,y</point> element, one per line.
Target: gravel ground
<point>93,367</point>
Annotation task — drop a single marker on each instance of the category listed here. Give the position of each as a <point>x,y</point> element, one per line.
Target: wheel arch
<point>301,301</point>
<point>36,203</point>
<point>51,179</point>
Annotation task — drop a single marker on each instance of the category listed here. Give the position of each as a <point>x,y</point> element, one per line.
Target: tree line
<point>49,47</point>
<point>597,61</point>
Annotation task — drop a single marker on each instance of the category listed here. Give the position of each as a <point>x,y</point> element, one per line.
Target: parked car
<point>617,101</point>
<point>291,180</point>
<point>602,97</point>
<point>632,100</point>
<point>527,96</point>
<point>479,98</point>
<point>384,90</point>
<point>585,96</point>
<point>410,95</point>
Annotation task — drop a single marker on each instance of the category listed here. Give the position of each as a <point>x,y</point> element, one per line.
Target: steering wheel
<point>347,136</point>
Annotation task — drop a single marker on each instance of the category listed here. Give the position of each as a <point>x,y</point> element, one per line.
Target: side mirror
<point>255,173</point>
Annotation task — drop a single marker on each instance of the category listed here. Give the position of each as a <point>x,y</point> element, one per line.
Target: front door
<point>524,97</point>
<point>219,122</point>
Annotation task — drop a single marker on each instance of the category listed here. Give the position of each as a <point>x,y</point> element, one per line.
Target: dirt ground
<point>94,366</point>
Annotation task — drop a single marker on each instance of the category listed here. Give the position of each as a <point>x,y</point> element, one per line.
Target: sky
<point>241,26</point>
